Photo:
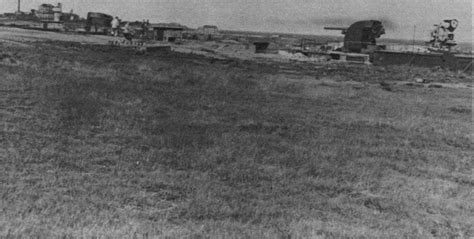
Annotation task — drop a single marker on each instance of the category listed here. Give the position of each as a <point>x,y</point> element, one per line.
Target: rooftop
<point>168,26</point>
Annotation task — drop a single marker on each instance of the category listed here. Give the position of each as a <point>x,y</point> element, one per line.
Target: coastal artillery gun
<point>361,36</point>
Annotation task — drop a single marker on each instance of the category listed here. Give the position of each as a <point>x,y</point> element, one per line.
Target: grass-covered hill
<point>99,142</point>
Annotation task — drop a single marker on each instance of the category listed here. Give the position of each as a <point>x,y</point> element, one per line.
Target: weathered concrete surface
<point>461,63</point>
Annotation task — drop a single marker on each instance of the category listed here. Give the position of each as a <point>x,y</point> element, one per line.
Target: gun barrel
<point>336,28</point>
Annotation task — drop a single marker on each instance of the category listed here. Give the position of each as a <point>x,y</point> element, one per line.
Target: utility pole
<point>18,6</point>
<point>414,36</point>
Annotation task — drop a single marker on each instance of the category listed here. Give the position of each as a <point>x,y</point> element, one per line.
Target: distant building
<point>167,32</point>
<point>98,22</point>
<point>49,12</point>
<point>208,29</point>
<point>69,17</point>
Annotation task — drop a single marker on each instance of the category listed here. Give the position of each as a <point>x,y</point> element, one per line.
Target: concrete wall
<point>453,62</point>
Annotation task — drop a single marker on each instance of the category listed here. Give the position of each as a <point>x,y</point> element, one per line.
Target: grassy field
<point>103,143</point>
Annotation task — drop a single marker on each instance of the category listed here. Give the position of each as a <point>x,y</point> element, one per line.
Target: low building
<point>208,30</point>
<point>266,47</point>
<point>167,32</point>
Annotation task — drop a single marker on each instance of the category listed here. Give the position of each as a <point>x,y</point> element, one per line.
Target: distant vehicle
<point>98,23</point>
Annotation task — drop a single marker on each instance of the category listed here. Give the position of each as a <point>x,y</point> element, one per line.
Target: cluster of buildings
<point>52,17</point>
<point>51,13</point>
<point>44,13</point>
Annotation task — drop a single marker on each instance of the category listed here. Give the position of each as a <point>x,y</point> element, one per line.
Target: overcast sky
<point>292,16</point>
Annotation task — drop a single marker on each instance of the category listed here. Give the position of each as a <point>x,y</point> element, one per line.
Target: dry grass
<point>99,142</point>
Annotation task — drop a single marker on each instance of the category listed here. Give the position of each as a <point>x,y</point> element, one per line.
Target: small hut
<point>167,32</point>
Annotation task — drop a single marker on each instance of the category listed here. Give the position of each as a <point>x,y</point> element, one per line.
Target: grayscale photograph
<point>266,119</point>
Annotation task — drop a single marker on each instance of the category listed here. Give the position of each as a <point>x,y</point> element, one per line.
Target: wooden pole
<point>414,36</point>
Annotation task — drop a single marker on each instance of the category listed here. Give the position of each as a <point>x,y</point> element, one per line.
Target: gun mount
<point>361,36</point>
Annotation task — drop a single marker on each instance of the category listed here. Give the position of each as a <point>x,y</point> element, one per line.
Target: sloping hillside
<point>100,142</point>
